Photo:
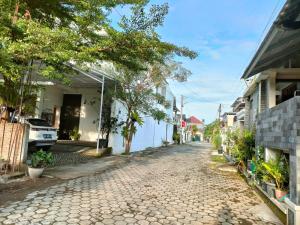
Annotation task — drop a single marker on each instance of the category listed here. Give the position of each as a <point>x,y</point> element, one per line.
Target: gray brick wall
<point>263,105</point>
<point>279,128</point>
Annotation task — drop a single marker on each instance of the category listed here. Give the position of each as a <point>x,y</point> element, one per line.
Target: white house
<point>74,106</point>
<point>77,106</point>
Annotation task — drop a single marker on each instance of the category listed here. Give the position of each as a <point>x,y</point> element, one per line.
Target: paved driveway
<point>68,154</point>
<point>174,186</point>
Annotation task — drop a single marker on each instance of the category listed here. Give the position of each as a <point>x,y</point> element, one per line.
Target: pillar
<point>293,202</point>
<point>271,87</point>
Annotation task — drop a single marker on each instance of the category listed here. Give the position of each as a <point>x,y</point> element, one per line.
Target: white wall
<point>48,98</point>
<point>89,113</point>
<point>151,134</point>
<point>52,96</point>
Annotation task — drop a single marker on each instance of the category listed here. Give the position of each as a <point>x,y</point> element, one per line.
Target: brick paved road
<point>174,186</point>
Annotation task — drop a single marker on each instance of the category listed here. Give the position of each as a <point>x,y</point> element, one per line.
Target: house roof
<point>195,120</point>
<point>86,79</point>
<point>281,43</point>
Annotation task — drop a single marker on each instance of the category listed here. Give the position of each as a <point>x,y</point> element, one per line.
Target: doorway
<point>70,115</point>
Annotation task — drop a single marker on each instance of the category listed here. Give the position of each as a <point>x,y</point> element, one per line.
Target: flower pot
<point>270,189</point>
<point>280,194</point>
<point>264,186</point>
<point>220,151</point>
<point>35,172</point>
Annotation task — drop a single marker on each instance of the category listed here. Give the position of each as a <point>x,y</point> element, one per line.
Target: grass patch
<point>218,159</point>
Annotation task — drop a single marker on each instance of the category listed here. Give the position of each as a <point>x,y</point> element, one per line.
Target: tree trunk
<point>128,139</point>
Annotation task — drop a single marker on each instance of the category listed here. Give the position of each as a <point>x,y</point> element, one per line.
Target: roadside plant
<point>278,170</point>
<point>41,159</point>
<point>243,147</point>
<point>176,138</point>
<point>211,130</point>
<point>258,160</point>
<point>74,134</point>
<point>217,141</point>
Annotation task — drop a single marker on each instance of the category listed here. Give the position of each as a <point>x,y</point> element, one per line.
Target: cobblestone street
<point>172,186</point>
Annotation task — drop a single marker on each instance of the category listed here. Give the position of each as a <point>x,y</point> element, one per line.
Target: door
<point>70,115</point>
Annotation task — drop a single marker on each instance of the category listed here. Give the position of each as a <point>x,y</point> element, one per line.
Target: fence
<point>12,146</point>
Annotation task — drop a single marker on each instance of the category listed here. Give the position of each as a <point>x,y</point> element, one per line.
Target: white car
<point>41,134</point>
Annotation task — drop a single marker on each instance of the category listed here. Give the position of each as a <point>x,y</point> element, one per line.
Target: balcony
<point>240,115</point>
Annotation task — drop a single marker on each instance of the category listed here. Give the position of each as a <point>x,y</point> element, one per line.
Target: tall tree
<point>42,37</point>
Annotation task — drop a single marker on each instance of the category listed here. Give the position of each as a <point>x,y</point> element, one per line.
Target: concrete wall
<point>279,128</point>
<point>151,134</point>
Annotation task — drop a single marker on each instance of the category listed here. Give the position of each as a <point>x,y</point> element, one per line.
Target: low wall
<point>279,128</point>
<point>11,142</point>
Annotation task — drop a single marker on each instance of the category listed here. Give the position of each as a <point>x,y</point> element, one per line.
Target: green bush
<point>243,147</point>
<point>74,134</point>
<point>258,161</point>
<point>277,170</point>
<point>217,141</point>
<point>176,138</point>
<point>41,159</point>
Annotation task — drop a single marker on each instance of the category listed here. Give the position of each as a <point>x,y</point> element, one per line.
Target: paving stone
<point>173,186</point>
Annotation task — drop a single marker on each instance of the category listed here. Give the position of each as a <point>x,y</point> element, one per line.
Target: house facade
<point>272,101</point>
<point>227,124</point>
<point>238,107</point>
<point>72,107</point>
<point>76,106</point>
<point>199,124</point>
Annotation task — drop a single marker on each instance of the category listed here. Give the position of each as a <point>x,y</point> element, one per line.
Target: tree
<point>42,38</point>
<point>137,83</point>
<point>212,130</point>
<point>194,130</point>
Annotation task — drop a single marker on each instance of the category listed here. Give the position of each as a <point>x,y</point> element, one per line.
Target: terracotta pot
<point>35,172</point>
<point>280,194</point>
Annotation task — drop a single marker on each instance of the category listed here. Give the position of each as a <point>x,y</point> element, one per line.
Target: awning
<point>82,79</point>
<point>281,43</point>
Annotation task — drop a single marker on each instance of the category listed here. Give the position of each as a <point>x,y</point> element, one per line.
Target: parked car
<point>41,134</point>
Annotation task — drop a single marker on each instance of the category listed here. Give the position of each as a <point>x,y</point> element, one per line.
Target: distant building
<point>195,122</point>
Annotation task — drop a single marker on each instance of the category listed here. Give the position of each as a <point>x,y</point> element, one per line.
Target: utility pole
<point>220,111</point>
<point>181,117</point>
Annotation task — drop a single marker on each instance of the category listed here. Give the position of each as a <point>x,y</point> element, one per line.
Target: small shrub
<point>176,138</point>
<point>74,134</point>
<point>277,170</point>
<point>41,159</point>
<point>217,141</point>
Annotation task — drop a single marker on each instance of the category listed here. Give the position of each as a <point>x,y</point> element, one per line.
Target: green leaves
<point>278,170</point>
<point>142,21</point>
<point>41,159</point>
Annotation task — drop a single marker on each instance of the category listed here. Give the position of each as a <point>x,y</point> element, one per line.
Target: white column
<point>39,103</point>
<point>272,90</point>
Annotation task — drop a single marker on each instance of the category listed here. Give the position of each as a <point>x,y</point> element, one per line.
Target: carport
<point>75,107</point>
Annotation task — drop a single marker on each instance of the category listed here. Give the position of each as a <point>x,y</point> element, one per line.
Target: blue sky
<point>226,34</point>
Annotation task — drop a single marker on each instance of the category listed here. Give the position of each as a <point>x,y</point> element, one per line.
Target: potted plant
<point>277,169</point>
<point>39,160</point>
<point>268,185</point>
<point>74,134</point>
